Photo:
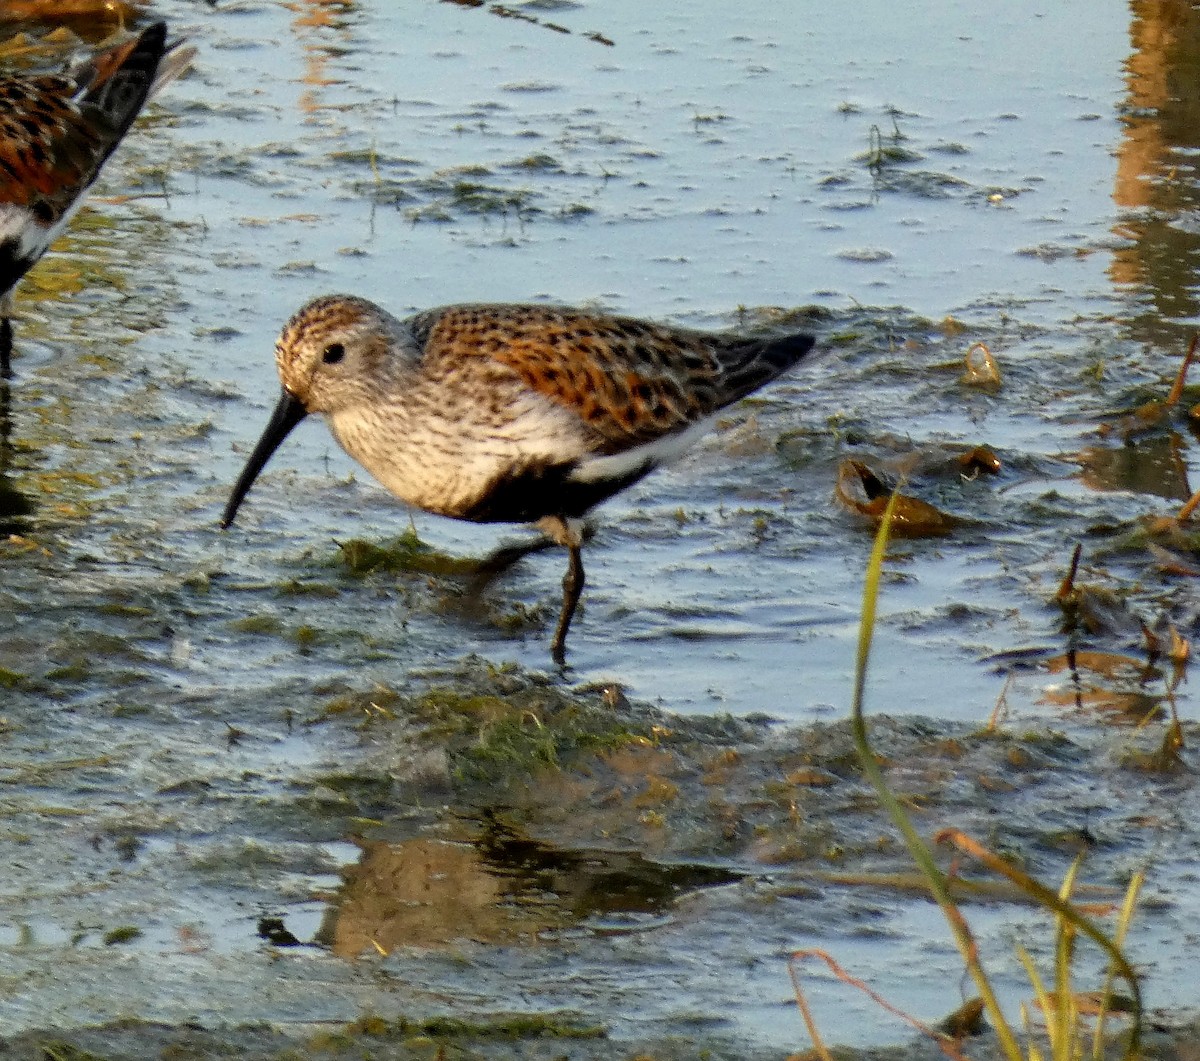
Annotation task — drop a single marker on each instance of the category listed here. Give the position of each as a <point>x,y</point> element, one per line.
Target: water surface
<point>711,167</point>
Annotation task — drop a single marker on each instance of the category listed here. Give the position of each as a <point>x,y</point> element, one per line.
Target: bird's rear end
<point>747,364</point>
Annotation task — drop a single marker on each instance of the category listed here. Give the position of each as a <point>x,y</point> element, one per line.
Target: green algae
<point>125,611</point>
<point>493,737</point>
<point>297,588</point>
<point>307,637</point>
<point>517,1026</point>
<point>123,934</point>
<point>63,1051</point>
<point>11,679</point>
<point>378,703</point>
<point>264,625</point>
<point>407,553</point>
<point>518,617</point>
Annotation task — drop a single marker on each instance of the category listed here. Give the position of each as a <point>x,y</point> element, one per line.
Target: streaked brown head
<point>331,350</point>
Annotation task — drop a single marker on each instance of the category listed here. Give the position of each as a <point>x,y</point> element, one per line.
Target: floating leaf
<point>1149,416</point>
<point>981,369</point>
<point>1121,705</point>
<point>1109,664</point>
<point>1154,465</point>
<point>943,460</point>
<point>1173,563</point>
<point>1096,608</point>
<point>864,492</point>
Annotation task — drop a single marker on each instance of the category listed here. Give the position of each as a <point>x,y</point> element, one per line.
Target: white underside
<point>649,455</point>
<point>18,223</point>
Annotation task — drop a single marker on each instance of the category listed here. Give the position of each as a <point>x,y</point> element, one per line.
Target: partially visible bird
<point>508,413</point>
<point>56,131</point>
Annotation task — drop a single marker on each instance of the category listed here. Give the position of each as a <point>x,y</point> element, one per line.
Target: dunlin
<point>56,131</point>
<point>508,413</point>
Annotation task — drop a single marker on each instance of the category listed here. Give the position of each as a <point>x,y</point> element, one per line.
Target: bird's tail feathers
<point>749,363</point>
<point>116,83</point>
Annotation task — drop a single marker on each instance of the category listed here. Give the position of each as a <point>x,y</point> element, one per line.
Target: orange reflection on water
<point>313,17</point>
<point>429,893</point>
<point>1154,159</point>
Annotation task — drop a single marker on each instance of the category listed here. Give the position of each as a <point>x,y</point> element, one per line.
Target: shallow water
<point>628,133</point>
<point>710,167</point>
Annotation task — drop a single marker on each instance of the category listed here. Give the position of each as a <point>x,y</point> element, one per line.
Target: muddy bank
<point>503,1040</point>
<point>623,872</point>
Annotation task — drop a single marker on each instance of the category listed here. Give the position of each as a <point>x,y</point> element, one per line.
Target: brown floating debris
<point>508,11</point>
<point>1109,664</point>
<point>965,1021</point>
<point>1097,609</point>
<point>1148,416</point>
<point>864,492</point>
<point>1172,563</point>
<point>981,368</point>
<point>107,12</point>
<point>945,460</point>
<point>979,459</point>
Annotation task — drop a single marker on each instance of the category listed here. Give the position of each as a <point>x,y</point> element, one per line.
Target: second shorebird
<point>56,131</point>
<point>508,413</point>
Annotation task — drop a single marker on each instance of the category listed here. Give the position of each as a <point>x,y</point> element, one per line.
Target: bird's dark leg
<point>6,333</point>
<point>6,449</point>
<point>5,344</point>
<point>495,564</point>
<point>572,590</point>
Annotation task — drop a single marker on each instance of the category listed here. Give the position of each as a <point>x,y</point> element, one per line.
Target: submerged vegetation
<point>1060,1006</point>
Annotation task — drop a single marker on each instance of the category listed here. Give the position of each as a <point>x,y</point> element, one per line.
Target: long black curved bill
<point>288,413</point>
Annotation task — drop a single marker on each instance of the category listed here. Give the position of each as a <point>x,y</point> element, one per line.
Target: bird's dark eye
<point>334,352</point>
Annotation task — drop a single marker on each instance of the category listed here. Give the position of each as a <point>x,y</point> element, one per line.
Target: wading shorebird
<point>56,132</point>
<point>508,413</point>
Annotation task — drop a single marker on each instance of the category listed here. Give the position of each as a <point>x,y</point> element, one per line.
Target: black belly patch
<point>525,496</point>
